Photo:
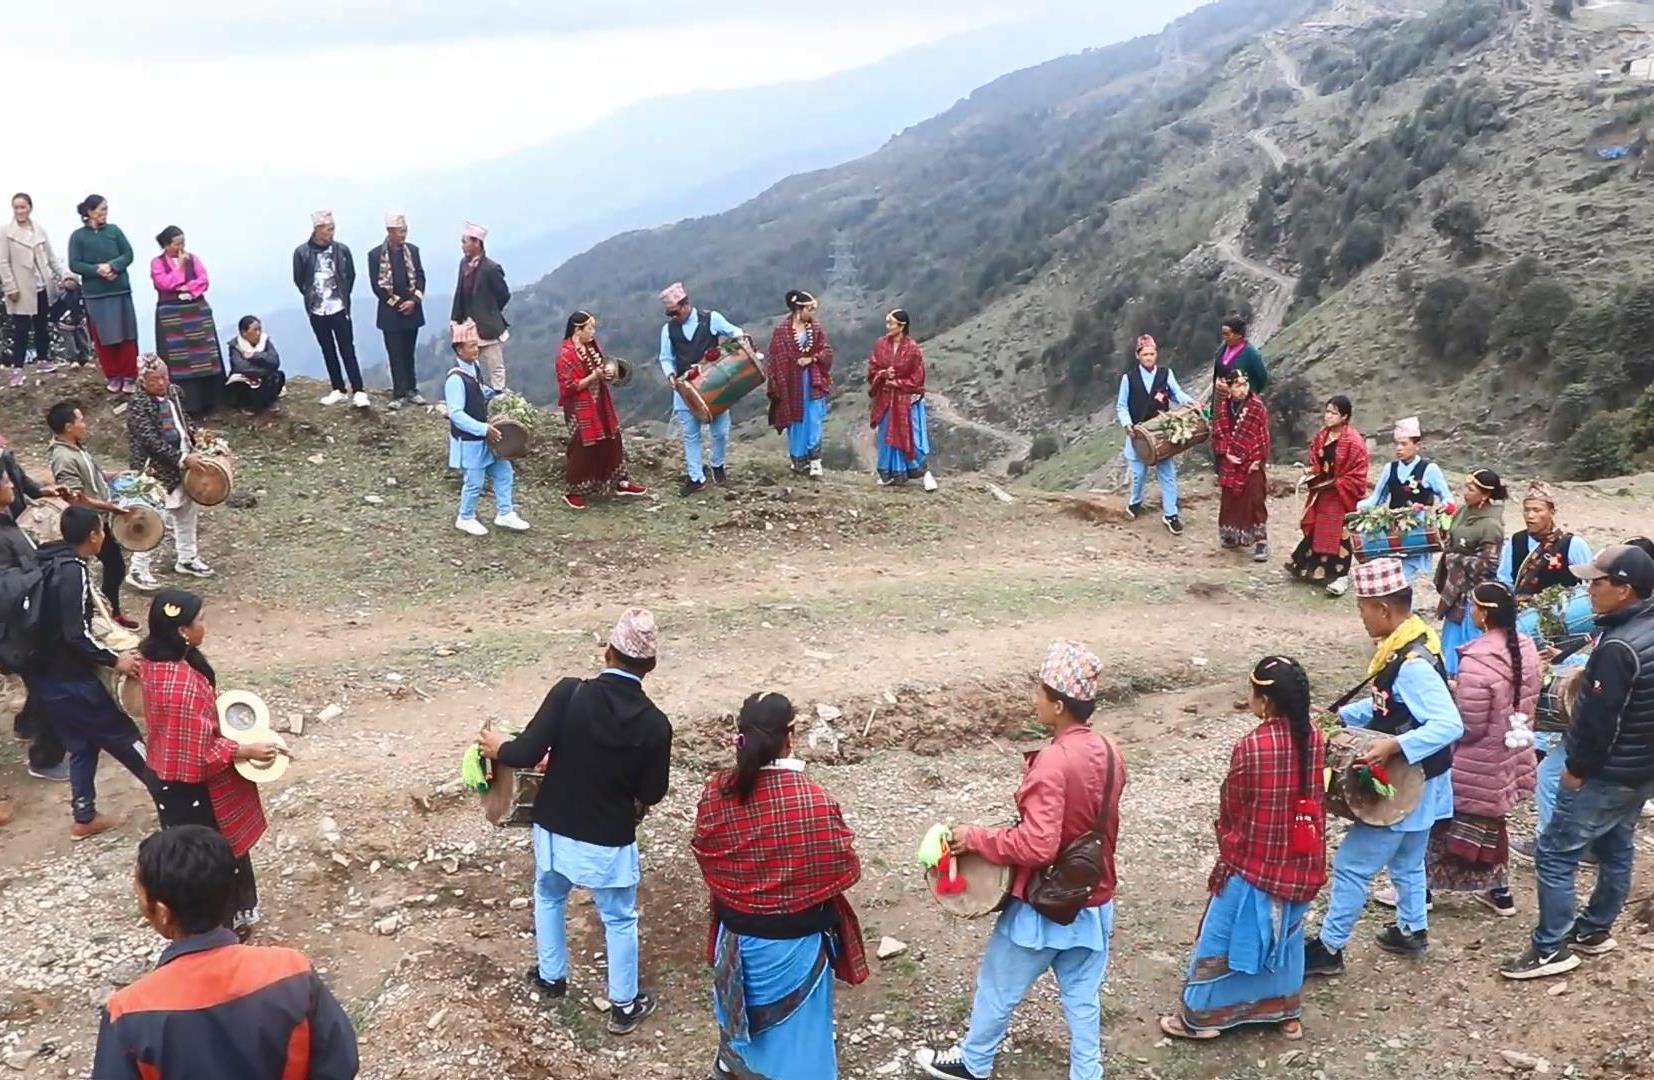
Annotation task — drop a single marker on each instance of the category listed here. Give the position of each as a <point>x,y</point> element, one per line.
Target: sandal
<point>1174,1027</point>
<point>1292,1030</point>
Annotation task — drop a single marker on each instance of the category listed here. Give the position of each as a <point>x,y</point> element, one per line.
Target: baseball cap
<point>1621,563</point>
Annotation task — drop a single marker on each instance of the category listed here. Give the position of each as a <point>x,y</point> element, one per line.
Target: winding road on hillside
<point>942,407</point>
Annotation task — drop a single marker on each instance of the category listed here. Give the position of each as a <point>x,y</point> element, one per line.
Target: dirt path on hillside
<point>1017,444</point>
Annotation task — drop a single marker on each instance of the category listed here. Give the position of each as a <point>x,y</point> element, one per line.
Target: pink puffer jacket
<point>1488,777</point>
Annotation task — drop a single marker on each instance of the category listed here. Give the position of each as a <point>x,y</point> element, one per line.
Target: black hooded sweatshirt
<point>611,752</point>
<point>68,650</point>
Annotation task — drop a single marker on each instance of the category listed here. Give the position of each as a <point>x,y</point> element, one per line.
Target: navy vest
<point>1144,405</point>
<point>689,351</point>
<point>1400,494</point>
<point>1522,543</point>
<point>1392,717</point>
<point>476,406</point>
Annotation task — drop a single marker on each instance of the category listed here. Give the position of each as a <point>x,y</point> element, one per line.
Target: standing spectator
<point>1240,438</point>
<point>256,378</point>
<point>185,334</point>
<point>324,273</point>
<point>30,276</point>
<point>99,253</point>
<point>481,296</point>
<point>213,1007</point>
<point>84,482</point>
<point>398,279</point>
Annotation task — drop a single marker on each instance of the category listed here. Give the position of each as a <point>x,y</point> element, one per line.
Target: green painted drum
<point>710,390</point>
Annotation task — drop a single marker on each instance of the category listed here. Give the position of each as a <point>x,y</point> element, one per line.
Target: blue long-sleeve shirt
<point>1579,553</point>
<point>669,362</point>
<point>1433,479</point>
<point>466,453</point>
<point>1426,696</point>
<point>1122,405</point>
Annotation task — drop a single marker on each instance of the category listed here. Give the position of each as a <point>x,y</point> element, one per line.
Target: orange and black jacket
<point>213,1008</point>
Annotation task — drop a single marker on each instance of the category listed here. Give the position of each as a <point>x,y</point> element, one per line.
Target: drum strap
<point>1356,689</point>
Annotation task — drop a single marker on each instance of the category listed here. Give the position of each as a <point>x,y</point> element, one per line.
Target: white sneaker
<point>142,582</point>
<point>930,481</point>
<point>360,400</point>
<point>815,468</point>
<point>511,521</point>
<point>396,405</point>
<point>471,525</point>
<point>194,568</point>
<point>1339,587</point>
<point>416,398</point>
<point>334,397</point>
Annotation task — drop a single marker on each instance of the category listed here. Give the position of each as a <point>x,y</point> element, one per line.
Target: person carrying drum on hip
<point>1412,708</point>
<point>1146,391</point>
<point>161,441</point>
<point>686,338</point>
<point>471,438</point>
<point>79,474</point>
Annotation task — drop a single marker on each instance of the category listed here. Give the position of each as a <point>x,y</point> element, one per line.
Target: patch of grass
<point>1078,462</point>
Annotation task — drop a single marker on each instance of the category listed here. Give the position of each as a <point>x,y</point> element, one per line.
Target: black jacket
<point>67,648</point>
<point>1612,737</point>
<point>485,303</point>
<point>16,549</point>
<point>611,752</point>
<point>304,270</point>
<point>23,488</point>
<point>261,365</point>
<point>389,317</point>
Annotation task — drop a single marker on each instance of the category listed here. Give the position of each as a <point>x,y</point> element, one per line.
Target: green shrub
<point>1046,444</point>
<point>1597,449</point>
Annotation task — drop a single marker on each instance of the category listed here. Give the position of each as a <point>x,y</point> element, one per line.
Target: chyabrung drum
<point>509,799</point>
<point>1154,444</point>
<point>40,519</point>
<point>140,528</point>
<point>513,441</point>
<point>986,887</point>
<point>1348,797</point>
<point>1575,613</point>
<point>1558,692</point>
<point>212,483</point>
<point>709,390</point>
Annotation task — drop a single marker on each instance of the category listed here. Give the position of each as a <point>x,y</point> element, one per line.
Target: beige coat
<point>23,254</point>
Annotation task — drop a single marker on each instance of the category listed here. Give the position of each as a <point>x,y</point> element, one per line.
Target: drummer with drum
<point>160,441</point>
<point>1147,391</point>
<point>686,339</point>
<point>471,437</point>
<point>1413,713</point>
<point>83,481</point>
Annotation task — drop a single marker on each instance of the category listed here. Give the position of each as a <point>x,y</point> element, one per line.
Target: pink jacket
<point>169,279</point>
<point>1489,778</point>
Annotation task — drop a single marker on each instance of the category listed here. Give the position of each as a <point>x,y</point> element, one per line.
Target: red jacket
<point>1067,783</point>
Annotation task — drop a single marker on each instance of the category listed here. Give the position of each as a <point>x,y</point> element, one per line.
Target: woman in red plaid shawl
<point>777,858</point>
<point>1337,480</point>
<point>1248,962</point>
<point>896,383</point>
<point>800,377</point>
<point>596,459</point>
<point>193,762</point>
<point>1240,438</point>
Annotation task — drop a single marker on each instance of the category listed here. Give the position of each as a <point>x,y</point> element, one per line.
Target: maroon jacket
<point>1489,778</point>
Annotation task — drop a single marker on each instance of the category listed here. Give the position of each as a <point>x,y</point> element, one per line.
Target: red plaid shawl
<point>1242,430</point>
<point>1324,514</point>
<point>785,850</point>
<point>786,379</point>
<point>1255,814</point>
<point>591,412</point>
<point>185,747</point>
<point>896,394</point>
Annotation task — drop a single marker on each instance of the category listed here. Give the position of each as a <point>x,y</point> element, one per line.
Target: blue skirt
<point>804,436</point>
<point>1456,635</point>
<point>894,464</point>
<point>798,1047</point>
<point>1248,963</point>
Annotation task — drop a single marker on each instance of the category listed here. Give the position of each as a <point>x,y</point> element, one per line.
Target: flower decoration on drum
<point>212,446</point>
<point>1377,779</point>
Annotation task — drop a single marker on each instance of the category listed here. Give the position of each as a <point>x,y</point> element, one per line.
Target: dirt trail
<point>1289,70</point>
<point>1272,315</point>
<point>1017,444</point>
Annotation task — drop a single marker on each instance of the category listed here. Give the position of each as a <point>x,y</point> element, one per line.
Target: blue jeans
<point>1008,971</point>
<point>616,907</point>
<point>1550,781</point>
<point>1365,851</point>
<point>690,429</point>
<point>88,722</point>
<point>1602,817</point>
<point>501,476</point>
<point>1166,473</point>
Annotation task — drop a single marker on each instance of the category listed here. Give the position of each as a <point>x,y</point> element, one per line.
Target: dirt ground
<point>917,619</point>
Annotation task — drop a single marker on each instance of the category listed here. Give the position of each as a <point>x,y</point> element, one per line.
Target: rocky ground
<point>903,627</point>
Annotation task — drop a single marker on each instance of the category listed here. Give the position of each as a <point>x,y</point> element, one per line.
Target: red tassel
<point>948,879</point>
<point>1305,837</point>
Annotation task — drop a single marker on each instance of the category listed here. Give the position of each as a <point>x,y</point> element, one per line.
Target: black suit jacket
<point>389,318</point>
<point>486,303</point>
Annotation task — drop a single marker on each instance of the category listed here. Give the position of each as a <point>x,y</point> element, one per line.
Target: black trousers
<point>114,572</point>
<point>45,751</point>
<point>337,338</point>
<point>20,326</point>
<point>259,398</point>
<point>399,350</point>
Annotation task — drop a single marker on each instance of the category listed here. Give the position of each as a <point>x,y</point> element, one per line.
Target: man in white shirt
<point>324,273</point>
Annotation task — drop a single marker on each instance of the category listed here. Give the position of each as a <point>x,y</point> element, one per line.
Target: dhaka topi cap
<point>149,363</point>
<point>1409,428</point>
<point>634,634</point>
<point>473,231</point>
<point>674,294</point>
<point>394,220</point>
<point>1145,342</point>
<point>465,333</point>
<point>1539,491</point>
<point>1071,670</point>
<point>320,218</point>
<point>1381,577</point>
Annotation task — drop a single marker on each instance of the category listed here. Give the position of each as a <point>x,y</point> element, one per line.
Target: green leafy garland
<point>513,406</point>
<point>1552,605</point>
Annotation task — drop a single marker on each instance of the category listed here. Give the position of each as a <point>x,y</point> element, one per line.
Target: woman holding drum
<point>596,462</point>
<point>1248,962</point>
<point>800,380</point>
<point>196,779</point>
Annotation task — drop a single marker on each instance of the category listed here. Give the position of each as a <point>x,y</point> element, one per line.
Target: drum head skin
<point>139,529</point>
<point>986,886</point>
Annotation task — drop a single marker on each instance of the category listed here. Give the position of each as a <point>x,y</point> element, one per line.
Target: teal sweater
<point>89,247</point>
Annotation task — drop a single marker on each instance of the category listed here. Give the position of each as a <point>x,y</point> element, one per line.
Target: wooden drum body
<point>41,520</point>
<point>986,887</point>
<point>212,483</point>
<point>1574,613</point>
<point>509,799</point>
<point>513,441</point>
<point>1154,444</point>
<point>710,389</point>
<point>1558,694</point>
<point>1348,797</point>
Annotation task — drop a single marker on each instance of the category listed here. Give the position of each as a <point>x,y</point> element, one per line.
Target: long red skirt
<point>597,468</point>
<point>118,361</point>
<point>1243,516</point>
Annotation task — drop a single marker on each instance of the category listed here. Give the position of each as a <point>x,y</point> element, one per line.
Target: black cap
<point>1621,563</point>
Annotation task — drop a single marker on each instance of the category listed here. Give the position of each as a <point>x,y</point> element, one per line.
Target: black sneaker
<point>627,1019</point>
<point>1134,511</point>
<point>1498,901</point>
<point>690,487</point>
<point>1393,939</point>
<point>1530,965</point>
<point>944,1065</point>
<point>551,988</point>
<point>1320,960</point>
<point>720,476</point>
<point>1592,942</point>
<point>1174,524</point>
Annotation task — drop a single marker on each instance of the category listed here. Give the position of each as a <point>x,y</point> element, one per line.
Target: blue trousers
<point>1602,817</point>
<point>1008,971</point>
<point>88,722</point>
<point>616,907</point>
<point>500,474</point>
<point>1165,472</point>
<point>1365,851</point>
<point>690,429</point>
<point>1550,778</point>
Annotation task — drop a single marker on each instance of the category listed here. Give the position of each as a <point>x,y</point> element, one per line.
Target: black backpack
<point>22,598</point>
